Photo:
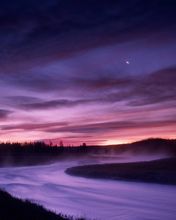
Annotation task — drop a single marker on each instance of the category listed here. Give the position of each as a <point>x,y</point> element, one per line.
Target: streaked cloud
<point>64,71</point>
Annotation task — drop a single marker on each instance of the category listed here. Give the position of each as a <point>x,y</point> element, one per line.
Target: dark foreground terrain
<point>159,171</point>
<point>16,209</point>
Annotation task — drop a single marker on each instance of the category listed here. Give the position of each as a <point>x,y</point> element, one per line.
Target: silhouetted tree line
<point>39,147</point>
<point>40,152</point>
<point>36,152</point>
<point>152,144</point>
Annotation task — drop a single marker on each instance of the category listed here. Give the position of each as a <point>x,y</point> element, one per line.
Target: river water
<point>93,199</point>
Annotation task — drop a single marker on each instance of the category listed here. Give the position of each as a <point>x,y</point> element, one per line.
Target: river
<point>94,199</point>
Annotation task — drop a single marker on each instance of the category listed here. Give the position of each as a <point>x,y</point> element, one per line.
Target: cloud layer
<point>64,72</point>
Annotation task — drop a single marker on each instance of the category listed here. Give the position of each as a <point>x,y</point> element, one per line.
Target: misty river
<point>94,199</point>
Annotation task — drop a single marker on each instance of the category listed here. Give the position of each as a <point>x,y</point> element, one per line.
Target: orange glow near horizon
<point>123,138</point>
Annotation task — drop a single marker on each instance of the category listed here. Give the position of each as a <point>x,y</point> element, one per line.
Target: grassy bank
<point>159,171</point>
<point>15,209</point>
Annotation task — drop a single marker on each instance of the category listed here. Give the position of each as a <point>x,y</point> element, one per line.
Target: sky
<point>94,71</point>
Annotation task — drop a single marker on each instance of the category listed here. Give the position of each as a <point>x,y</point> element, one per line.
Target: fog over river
<point>94,199</point>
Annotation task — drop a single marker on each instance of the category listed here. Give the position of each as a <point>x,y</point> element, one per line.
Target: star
<point>127,62</point>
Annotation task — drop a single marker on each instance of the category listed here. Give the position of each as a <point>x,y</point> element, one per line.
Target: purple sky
<point>100,72</point>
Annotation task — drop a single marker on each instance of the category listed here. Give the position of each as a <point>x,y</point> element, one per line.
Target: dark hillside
<point>16,209</point>
<point>161,171</point>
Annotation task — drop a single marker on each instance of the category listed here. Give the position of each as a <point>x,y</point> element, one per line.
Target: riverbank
<point>15,209</point>
<point>161,171</point>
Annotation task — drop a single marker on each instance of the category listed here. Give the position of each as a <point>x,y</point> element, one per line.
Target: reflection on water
<point>100,199</point>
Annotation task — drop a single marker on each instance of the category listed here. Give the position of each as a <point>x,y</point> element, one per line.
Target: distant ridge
<point>155,140</point>
<point>150,145</point>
